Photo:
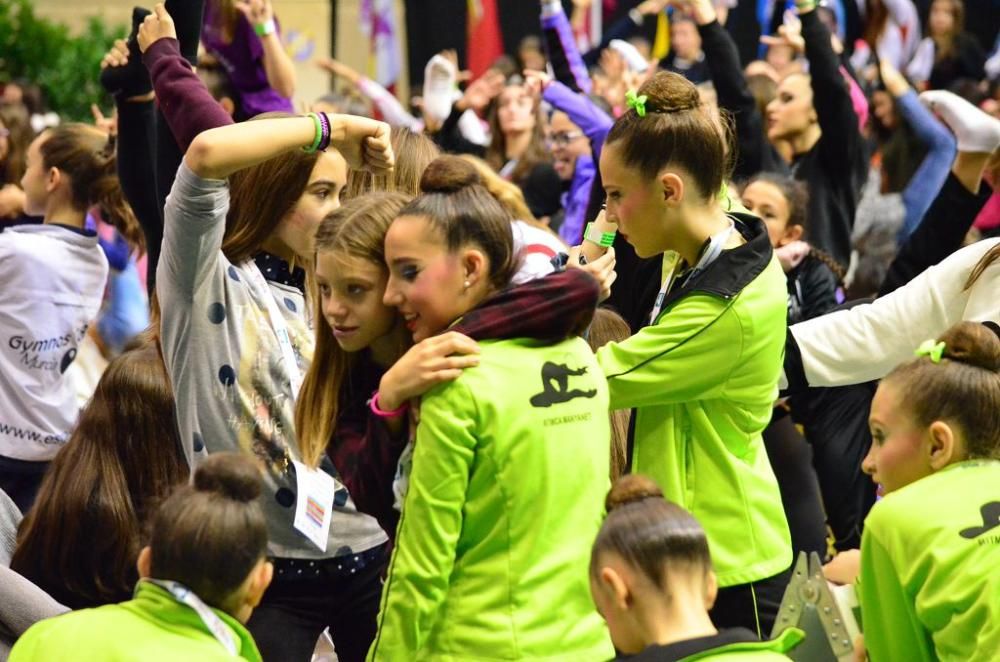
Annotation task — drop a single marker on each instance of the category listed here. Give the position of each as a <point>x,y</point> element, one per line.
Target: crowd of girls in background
<point>566,362</point>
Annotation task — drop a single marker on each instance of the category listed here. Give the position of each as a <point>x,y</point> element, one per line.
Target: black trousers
<point>792,461</point>
<point>341,593</point>
<point>753,606</point>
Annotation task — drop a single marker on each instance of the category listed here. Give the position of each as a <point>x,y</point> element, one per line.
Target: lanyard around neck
<point>186,596</point>
<point>672,261</point>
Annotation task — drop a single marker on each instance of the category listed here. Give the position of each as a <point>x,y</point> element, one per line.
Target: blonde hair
<point>608,326</point>
<point>507,193</point>
<point>358,229</point>
<point>414,152</point>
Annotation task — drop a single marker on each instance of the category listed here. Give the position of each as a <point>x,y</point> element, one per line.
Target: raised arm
<point>385,101</point>
<point>277,64</point>
<point>219,152</point>
<point>567,64</point>
<point>834,111</point>
<point>593,121</point>
<point>754,152</point>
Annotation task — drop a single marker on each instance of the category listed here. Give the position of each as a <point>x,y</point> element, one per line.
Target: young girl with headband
<point>236,340</point>
<point>53,277</point>
<point>202,574</point>
<point>702,376</point>
<point>928,586</point>
<point>490,557</point>
<point>652,580</point>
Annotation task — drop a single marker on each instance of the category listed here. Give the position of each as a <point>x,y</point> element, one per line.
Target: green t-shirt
<point>930,568</point>
<point>151,627</point>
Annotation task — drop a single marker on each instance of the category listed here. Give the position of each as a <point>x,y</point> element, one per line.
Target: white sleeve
<point>867,341</point>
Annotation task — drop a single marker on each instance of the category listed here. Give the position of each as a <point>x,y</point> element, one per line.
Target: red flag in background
<point>485,43</point>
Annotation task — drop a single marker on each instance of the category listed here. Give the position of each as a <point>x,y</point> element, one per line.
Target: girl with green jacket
<point>204,571</point>
<point>510,462</point>
<point>702,377</point>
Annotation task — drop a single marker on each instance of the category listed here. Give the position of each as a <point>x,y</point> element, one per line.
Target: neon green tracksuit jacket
<point>930,568</point>
<point>152,627</point>
<point>506,495</point>
<point>703,380</point>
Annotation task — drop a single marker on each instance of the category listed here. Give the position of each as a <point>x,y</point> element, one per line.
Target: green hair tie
<point>930,349</point>
<point>636,102</point>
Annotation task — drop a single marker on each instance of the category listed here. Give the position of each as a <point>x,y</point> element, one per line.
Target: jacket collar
<point>688,647</point>
<point>735,268</point>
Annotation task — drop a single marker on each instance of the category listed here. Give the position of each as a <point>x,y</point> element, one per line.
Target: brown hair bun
<point>972,344</point>
<point>229,475</point>
<point>630,489</point>
<point>448,174</point>
<point>669,94</point>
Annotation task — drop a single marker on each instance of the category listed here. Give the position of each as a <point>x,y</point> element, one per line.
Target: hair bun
<point>447,174</point>
<point>667,92</point>
<point>230,475</point>
<point>973,344</point>
<point>630,489</point>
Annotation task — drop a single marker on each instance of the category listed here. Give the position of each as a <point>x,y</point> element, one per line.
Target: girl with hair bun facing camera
<point>652,580</point>
<point>703,375</point>
<point>204,571</point>
<point>929,587</point>
<point>510,461</point>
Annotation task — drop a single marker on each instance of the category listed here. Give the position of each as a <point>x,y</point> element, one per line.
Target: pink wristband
<point>373,403</point>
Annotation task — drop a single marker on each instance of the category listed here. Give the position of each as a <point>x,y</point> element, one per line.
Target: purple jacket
<point>243,59</point>
<point>563,53</point>
<point>595,124</point>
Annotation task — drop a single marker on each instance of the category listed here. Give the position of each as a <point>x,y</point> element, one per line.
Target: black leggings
<point>792,460</point>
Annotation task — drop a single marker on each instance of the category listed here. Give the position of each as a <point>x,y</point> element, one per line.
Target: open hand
<point>431,361</point>
<point>117,56</point>
<point>257,12</point>
<point>481,91</point>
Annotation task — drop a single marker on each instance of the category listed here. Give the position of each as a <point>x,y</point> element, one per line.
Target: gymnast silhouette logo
<point>990,512</point>
<point>555,385</point>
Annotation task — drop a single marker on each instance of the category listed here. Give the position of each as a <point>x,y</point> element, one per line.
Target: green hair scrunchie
<point>636,102</point>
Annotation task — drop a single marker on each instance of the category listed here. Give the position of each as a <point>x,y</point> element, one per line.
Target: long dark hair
<point>496,153</point>
<point>81,539</point>
<point>87,155</point>
<point>261,196</point>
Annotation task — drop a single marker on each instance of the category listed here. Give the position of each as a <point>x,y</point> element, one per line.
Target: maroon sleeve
<point>185,102</point>
<point>550,308</point>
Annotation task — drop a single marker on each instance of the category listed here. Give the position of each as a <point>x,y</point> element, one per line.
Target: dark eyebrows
<point>322,183</point>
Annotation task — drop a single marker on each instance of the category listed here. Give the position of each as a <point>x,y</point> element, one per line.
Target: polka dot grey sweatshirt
<point>232,389</point>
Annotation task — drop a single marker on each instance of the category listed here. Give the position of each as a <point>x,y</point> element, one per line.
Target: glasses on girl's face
<point>564,138</point>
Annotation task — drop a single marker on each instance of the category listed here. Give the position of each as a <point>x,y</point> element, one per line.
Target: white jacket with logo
<point>51,286</point>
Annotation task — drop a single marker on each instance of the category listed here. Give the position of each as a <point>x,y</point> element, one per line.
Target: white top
<point>52,282</point>
<point>536,248</point>
<point>867,341</point>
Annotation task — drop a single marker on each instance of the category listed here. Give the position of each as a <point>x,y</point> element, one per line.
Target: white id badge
<point>314,503</point>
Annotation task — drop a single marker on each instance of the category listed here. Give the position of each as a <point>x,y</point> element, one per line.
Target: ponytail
<point>87,156</point>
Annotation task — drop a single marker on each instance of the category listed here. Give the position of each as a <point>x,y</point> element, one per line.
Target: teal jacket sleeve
<point>688,355</point>
<point>430,525</point>
<point>888,615</point>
